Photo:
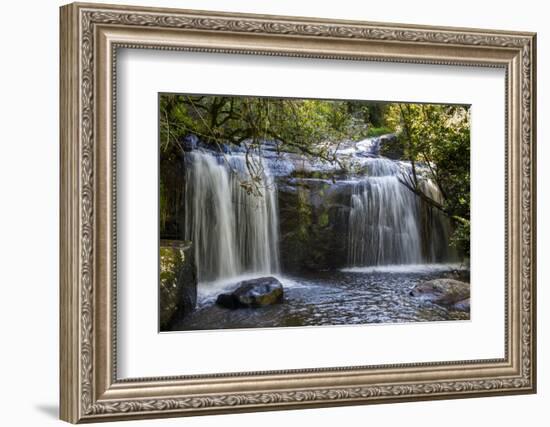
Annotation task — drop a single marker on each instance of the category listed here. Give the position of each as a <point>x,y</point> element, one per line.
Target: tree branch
<point>433,203</point>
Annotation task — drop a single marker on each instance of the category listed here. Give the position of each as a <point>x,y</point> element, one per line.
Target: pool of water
<point>347,297</point>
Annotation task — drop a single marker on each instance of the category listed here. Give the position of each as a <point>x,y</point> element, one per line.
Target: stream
<point>347,297</point>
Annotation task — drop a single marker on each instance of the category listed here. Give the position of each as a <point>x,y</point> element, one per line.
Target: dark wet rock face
<point>390,147</point>
<point>253,293</point>
<point>189,142</point>
<point>313,224</point>
<point>447,292</point>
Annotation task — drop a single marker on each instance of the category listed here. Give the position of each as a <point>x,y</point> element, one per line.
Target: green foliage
<point>170,260</point>
<point>461,238</point>
<point>307,126</point>
<point>163,202</point>
<point>377,131</point>
<point>323,220</point>
<point>436,140</point>
<point>368,112</point>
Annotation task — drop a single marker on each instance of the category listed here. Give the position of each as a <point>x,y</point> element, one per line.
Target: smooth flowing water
<point>234,231</point>
<point>383,221</point>
<point>389,224</point>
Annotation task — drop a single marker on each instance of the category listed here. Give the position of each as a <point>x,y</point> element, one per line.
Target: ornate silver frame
<point>90,36</point>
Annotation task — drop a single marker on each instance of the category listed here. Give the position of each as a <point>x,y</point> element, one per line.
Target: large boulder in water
<point>178,281</point>
<point>447,292</point>
<point>253,293</point>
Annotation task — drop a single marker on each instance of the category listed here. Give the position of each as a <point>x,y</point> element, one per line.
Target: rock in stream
<point>253,293</point>
<point>447,292</point>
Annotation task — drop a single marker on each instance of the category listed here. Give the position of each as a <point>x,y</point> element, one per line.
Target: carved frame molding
<point>90,37</point>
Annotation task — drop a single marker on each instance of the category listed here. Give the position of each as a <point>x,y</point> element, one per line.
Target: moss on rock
<point>178,281</point>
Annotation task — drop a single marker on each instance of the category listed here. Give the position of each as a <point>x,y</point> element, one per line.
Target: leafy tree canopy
<point>300,125</point>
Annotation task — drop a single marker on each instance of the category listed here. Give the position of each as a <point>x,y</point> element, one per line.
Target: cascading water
<point>383,219</point>
<point>437,227</point>
<point>388,223</point>
<point>234,232</point>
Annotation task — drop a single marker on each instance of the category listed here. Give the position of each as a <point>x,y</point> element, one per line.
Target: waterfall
<point>389,224</point>
<point>234,232</point>
<point>438,227</point>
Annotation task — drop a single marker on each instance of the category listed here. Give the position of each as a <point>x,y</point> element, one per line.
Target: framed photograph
<point>266,212</point>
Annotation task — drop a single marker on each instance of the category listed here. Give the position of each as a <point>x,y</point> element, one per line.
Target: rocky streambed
<point>363,296</point>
